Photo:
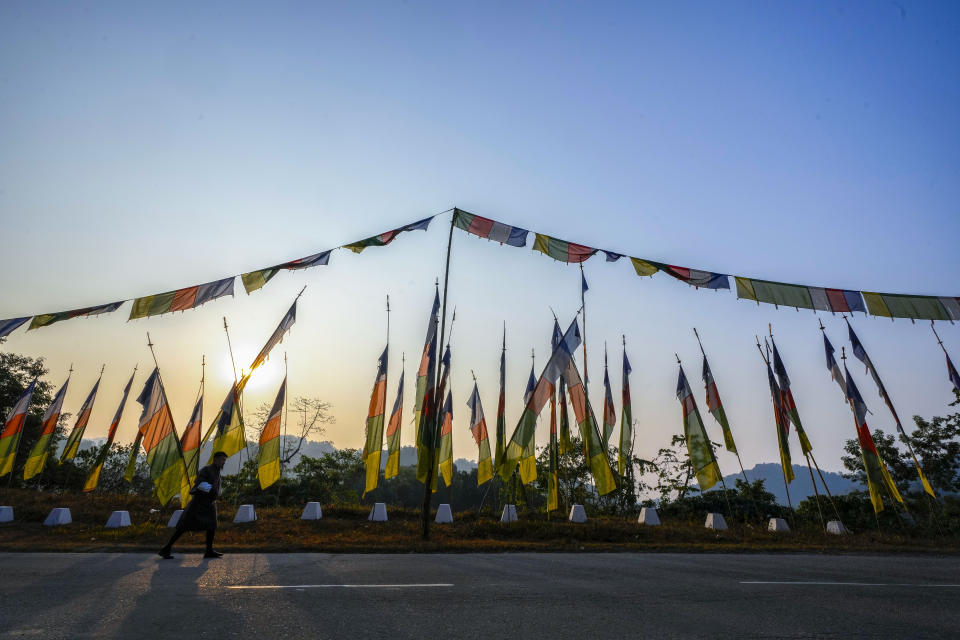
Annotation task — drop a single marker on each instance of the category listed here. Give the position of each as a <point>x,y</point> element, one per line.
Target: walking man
<point>201,513</point>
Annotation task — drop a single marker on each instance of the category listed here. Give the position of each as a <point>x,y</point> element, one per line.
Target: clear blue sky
<point>145,149</point>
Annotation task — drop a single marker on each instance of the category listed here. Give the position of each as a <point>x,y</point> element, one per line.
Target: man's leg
<point>165,551</point>
<point>210,552</point>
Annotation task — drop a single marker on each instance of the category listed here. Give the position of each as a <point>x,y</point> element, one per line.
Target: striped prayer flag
<point>643,267</point>
<point>160,441</point>
<point>565,443</point>
<point>230,435</point>
<point>10,325</point>
<point>434,428</point>
<point>37,458</point>
<point>275,338</point>
<point>131,467</point>
<point>385,238</point>
<point>553,476</point>
<point>782,423</point>
<point>698,444</point>
<point>561,249</point>
<point>268,458</point>
<point>93,478</point>
<point>835,374</point>
<point>490,229</point>
<point>695,277</point>
<point>181,299</point>
<point>478,427</point>
<point>253,280</point>
<point>528,460</point>
<point>501,443</point>
<point>373,445</point>
<point>876,471</point>
<point>426,382</point>
<point>446,442</point>
<point>952,374</point>
<point>46,319</point>
<point>190,441</point>
<point>83,418</point>
<point>626,420</point>
<point>609,414</point>
<point>799,296</point>
<point>393,434</point>
<point>13,428</point>
<point>789,404</point>
<point>892,305</point>
<point>715,407</point>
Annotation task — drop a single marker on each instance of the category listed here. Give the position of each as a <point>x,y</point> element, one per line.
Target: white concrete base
<point>378,513</point>
<point>648,516</point>
<point>779,525</point>
<point>175,518</point>
<point>715,521</point>
<point>57,517</point>
<point>836,527</point>
<point>509,513</point>
<point>118,519</point>
<point>245,514</point>
<point>577,514</point>
<point>312,511</point>
<point>444,515</point>
<point>6,514</point>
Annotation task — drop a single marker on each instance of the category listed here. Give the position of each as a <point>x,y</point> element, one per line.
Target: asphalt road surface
<point>519,595</point>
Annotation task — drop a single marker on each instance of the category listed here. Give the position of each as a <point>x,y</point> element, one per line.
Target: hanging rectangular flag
<point>799,296</point>
<point>609,414</point>
<point>13,428</point>
<point>83,418</point>
<point>93,478</point>
<point>40,451</point>
<point>561,249</point>
<point>393,434</point>
<point>230,435</point>
<point>626,420</point>
<point>275,338</point>
<point>892,305</point>
<point>478,427</point>
<point>715,407</point>
<point>565,444</point>
<point>160,441</point>
<point>695,277</point>
<point>643,267</point>
<point>373,444</point>
<point>490,229</point>
<point>10,325</point>
<point>699,449</point>
<point>612,256</point>
<point>385,238</point>
<point>874,468</point>
<point>528,459</point>
<point>789,405</point>
<point>835,374</point>
<point>190,440</point>
<point>253,280</point>
<point>181,299</point>
<point>426,383</point>
<point>434,426</point>
<point>268,458</point>
<point>446,442</point>
<point>782,423</point>
<point>46,319</point>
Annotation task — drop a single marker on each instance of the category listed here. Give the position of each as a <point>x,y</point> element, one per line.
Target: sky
<point>148,148</point>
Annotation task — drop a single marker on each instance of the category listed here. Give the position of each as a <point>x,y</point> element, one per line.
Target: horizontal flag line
<point>850,584</point>
<point>341,586</point>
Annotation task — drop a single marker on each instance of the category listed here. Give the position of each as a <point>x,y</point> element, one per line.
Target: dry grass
<point>346,529</point>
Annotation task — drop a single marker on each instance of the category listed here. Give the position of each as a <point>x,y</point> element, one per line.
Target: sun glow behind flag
<point>373,445</point>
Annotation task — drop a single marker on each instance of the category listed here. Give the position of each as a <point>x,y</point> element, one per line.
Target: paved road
<point>524,596</point>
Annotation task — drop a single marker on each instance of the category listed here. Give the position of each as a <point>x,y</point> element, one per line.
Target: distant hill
<point>800,488</point>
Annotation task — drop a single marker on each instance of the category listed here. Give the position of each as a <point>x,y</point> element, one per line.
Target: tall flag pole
<point>782,424</point>
<point>873,466</point>
<point>553,479</point>
<point>268,456</point>
<point>861,354</point>
<point>13,429</point>
<point>435,423</point>
<point>168,469</point>
<point>625,448</point>
<point>190,441</point>
<point>393,428</point>
<point>93,478</point>
<point>699,448</point>
<point>83,418</point>
<point>478,427</point>
<point>951,370</point>
<point>501,442</point>
<point>583,307</point>
<point>37,457</point>
<point>715,407</point>
<point>609,414</point>
<point>528,459</point>
<point>373,444</point>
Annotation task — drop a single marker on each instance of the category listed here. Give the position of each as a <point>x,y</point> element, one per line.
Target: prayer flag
<point>626,420</point>
<point>181,299</point>
<point>385,238</point>
<point>953,375</point>
<point>10,325</point>
<point>789,405</point>
<point>528,460</point>
<point>698,445</point>
<point>799,296</point>
<point>835,374</point>
<point>891,305</point>
<point>695,277</point>
<point>13,428</point>
<point>553,477</point>
<point>715,406</point>
<point>490,229</point>
<point>230,436</point>
<point>426,383</point>
<point>253,280</point>
<point>643,268</point>
<point>501,443</point>
<point>46,319</point>
<point>131,468</point>
<point>275,338</point>
<point>160,441</point>
<point>373,445</point>
<point>37,458</point>
<point>609,414</point>
<point>83,418</point>
<point>268,458</point>
<point>478,427</point>
<point>93,478</point>
<point>190,441</point>
<point>561,249</point>
<point>393,434</point>
<point>782,424</point>
<point>446,442</point>
<point>565,444</point>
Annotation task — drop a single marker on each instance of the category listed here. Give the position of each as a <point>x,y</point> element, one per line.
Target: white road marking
<point>850,584</point>
<point>340,586</point>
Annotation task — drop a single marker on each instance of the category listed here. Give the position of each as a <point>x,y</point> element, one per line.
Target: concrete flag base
<point>577,514</point>
<point>245,514</point>
<point>118,519</point>
<point>378,513</point>
<point>57,517</point>
<point>312,511</point>
<point>778,524</point>
<point>509,513</point>
<point>6,514</point>
<point>444,515</point>
<point>836,527</point>
<point>715,521</point>
<point>648,516</point>
<point>175,518</point>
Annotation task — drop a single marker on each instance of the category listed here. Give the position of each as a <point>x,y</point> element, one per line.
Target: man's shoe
<point>165,554</point>
<point>213,554</point>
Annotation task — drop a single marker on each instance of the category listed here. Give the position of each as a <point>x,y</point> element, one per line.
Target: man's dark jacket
<point>201,513</point>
